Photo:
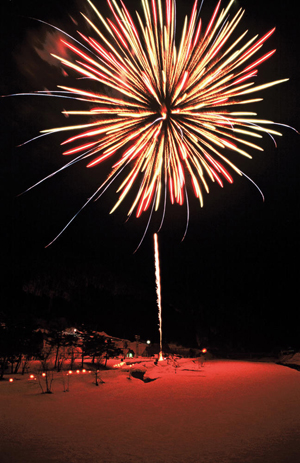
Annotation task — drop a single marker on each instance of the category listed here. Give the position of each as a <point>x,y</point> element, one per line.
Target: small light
<point>11,380</point>
<point>77,371</point>
<point>70,372</point>
<point>43,374</point>
<point>204,351</point>
<point>31,376</point>
<point>83,371</point>
<point>148,342</point>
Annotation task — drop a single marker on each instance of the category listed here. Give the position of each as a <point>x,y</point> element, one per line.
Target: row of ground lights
<point>70,372</point>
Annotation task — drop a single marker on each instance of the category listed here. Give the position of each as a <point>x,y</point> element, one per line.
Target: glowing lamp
<point>11,380</point>
<point>204,351</point>
<point>118,365</point>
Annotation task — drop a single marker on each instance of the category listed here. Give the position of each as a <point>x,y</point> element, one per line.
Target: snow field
<point>225,412</point>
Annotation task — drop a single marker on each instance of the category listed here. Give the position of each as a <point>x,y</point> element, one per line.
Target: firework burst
<point>169,127</point>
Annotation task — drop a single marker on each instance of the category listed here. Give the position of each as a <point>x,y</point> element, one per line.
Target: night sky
<point>232,283</point>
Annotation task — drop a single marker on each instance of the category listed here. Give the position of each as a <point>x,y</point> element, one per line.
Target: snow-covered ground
<point>223,412</point>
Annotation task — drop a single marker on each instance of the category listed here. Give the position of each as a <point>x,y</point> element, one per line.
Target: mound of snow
<point>290,359</point>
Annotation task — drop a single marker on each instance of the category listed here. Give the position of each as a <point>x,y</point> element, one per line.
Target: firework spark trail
<point>169,129</point>
<point>158,292</point>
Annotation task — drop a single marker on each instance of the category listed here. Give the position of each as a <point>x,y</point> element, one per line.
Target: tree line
<point>52,344</point>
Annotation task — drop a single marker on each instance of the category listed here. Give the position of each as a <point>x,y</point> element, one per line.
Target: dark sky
<point>236,273</point>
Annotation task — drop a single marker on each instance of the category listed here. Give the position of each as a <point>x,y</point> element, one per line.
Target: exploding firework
<point>162,115</point>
